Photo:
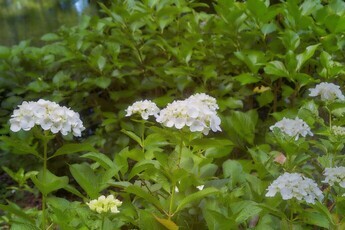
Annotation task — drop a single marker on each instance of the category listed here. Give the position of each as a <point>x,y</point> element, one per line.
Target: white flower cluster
<point>338,130</point>
<point>293,127</point>
<point>335,175</point>
<point>105,204</point>
<point>291,185</point>
<point>327,92</point>
<point>198,112</point>
<point>49,115</point>
<point>145,108</point>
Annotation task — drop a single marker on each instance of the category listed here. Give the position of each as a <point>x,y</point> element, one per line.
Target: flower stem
<point>171,201</point>
<point>44,197</point>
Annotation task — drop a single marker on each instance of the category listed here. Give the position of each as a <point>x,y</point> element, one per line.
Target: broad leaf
<point>194,197</point>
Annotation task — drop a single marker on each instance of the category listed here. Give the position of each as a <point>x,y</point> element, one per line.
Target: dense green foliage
<point>168,50</point>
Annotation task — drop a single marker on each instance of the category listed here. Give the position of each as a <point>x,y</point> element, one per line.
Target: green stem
<point>44,197</point>
<point>143,136</point>
<point>103,217</point>
<point>171,201</point>
<point>180,149</point>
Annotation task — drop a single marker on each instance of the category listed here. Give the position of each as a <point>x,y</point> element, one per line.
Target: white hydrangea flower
<point>198,112</point>
<point>295,185</point>
<point>327,92</point>
<point>338,130</point>
<point>49,115</point>
<point>145,108</point>
<point>335,175</point>
<point>293,127</point>
<point>105,204</point>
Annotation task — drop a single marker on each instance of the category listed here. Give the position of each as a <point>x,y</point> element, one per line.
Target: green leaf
<point>101,61</point>
<point>167,223</point>
<point>73,148</point>
<point>216,220</point>
<point>48,182</point>
<point>103,82</point>
<point>244,210</point>
<point>322,209</point>
<point>142,166</point>
<point>315,218</point>
<point>148,222</point>
<point>290,40</point>
<point>20,146</point>
<point>133,136</point>
<point>335,23</point>
<point>247,78</point>
<point>265,98</point>
<point>100,158</point>
<point>241,125</point>
<point>5,52</point>
<point>50,37</point>
<point>86,178</point>
<point>233,170</point>
<point>145,195</point>
<point>276,68</point>
<point>253,59</point>
<point>14,209</point>
<point>194,197</point>
<point>305,56</point>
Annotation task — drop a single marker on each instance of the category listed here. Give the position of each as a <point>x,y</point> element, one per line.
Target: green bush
<point>258,60</point>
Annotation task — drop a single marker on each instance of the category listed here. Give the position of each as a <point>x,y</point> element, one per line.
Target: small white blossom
<point>197,112</point>
<point>145,108</point>
<point>293,127</point>
<point>327,92</point>
<point>105,204</point>
<point>49,115</point>
<point>295,185</point>
<point>200,187</point>
<point>338,130</point>
<point>335,175</point>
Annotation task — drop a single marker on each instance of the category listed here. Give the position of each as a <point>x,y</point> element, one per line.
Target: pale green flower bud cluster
<point>327,92</point>
<point>338,130</point>
<point>295,185</point>
<point>105,204</point>
<point>293,127</point>
<point>49,115</point>
<point>144,108</point>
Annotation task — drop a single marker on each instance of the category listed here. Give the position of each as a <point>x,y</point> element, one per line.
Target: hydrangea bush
<point>178,115</point>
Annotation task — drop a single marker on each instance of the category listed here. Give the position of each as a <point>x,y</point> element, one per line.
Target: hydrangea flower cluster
<point>327,92</point>
<point>295,185</point>
<point>338,130</point>
<point>145,108</point>
<point>198,112</point>
<point>293,127</point>
<point>335,175</point>
<point>49,115</point>
<point>105,204</point>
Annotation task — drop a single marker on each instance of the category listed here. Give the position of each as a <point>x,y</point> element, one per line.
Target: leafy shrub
<point>258,60</point>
